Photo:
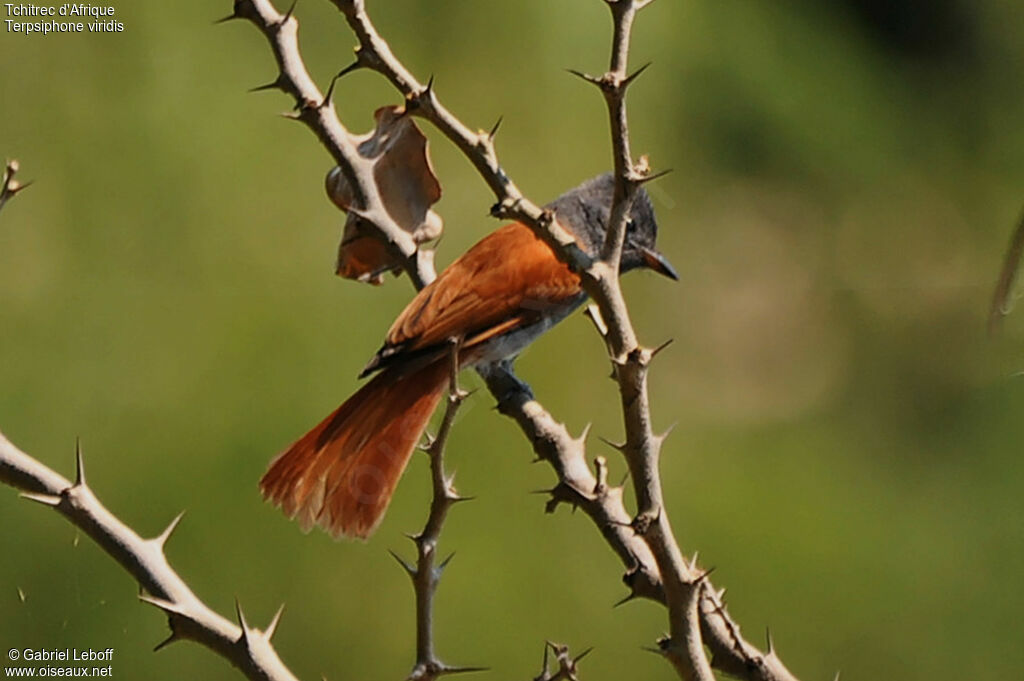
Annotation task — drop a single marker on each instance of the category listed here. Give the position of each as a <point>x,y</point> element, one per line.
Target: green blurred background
<point>847,444</point>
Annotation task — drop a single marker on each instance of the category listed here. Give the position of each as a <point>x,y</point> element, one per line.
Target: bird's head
<point>585,210</point>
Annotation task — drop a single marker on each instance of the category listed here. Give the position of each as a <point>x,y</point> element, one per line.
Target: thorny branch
<point>687,591</point>
<point>426,574</point>
<point>317,112</point>
<point>550,439</point>
<point>681,582</point>
<point>189,618</point>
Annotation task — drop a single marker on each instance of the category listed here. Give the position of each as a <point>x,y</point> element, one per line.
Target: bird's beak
<point>657,262</point>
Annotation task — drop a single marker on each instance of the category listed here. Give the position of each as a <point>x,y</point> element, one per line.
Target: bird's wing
<point>506,280</point>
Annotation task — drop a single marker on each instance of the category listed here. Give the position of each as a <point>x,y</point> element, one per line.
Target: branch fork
<point>565,664</point>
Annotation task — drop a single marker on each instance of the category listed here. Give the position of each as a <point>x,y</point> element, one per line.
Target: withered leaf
<point>407,186</point>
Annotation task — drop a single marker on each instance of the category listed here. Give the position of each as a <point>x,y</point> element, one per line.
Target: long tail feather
<point>341,474</point>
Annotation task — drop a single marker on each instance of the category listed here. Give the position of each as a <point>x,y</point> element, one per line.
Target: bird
<point>493,301</point>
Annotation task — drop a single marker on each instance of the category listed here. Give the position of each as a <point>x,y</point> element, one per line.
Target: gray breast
<point>512,343</point>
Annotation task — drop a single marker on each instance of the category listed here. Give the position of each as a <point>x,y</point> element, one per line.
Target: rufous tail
<point>341,474</point>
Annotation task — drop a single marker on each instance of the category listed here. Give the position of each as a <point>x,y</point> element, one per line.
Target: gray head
<point>584,212</point>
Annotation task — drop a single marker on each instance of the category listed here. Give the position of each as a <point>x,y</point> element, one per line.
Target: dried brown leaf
<point>407,187</point>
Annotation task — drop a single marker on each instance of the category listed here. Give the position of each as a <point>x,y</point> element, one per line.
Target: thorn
<point>769,643</point>
<point>584,433</point>
<point>836,677</point>
<point>444,563</point>
<point>44,499</point>
<point>272,627</point>
<point>166,642</point>
<point>166,534</point>
<point>354,66</point>
<point>241,619</point>
<point>290,115</point>
<point>587,77</point>
<point>494,130</point>
<point>409,569</point>
<point>165,605</point>
<point>224,20</point>
<point>693,561</point>
<point>326,101</point>
<point>79,466</point>
<point>656,176</point>
<point>656,651</point>
<point>594,313</point>
<point>702,576</point>
<point>582,655</point>
<point>655,351</point>
<point>291,10</point>
<point>623,601</point>
<point>621,447</point>
<point>633,76</point>
<point>458,499</point>
<point>275,85</point>
<point>664,435</point>
<point>415,100</point>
